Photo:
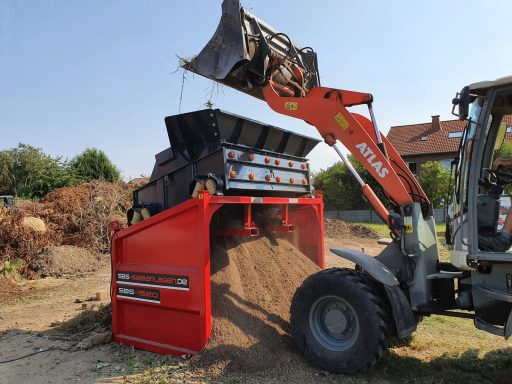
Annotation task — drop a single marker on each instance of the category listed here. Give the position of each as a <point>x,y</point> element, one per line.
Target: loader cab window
<point>499,145</point>
<point>503,143</point>
<point>495,185</point>
<point>499,135</point>
<point>489,123</point>
<point>465,153</point>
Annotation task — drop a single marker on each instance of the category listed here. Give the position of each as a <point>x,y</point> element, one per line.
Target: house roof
<point>407,139</point>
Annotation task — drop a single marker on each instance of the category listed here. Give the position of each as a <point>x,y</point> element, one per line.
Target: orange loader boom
<point>325,109</point>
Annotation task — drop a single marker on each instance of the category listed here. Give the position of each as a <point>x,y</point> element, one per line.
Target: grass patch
<point>146,367</point>
<point>11,269</point>
<point>449,350</point>
<point>86,321</point>
<point>444,250</point>
<point>383,230</point>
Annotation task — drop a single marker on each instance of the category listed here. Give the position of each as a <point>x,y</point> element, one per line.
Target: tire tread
<point>365,285</point>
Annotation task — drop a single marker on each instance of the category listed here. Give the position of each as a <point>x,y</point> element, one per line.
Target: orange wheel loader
<point>341,318</point>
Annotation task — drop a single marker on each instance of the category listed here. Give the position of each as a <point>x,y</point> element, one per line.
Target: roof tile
<point>407,138</point>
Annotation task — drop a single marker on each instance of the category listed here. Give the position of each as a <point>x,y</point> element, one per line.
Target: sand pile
<point>66,261</point>
<point>253,281</point>
<point>338,228</point>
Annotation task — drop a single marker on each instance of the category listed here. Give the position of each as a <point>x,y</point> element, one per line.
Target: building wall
<point>422,159</point>
<point>369,216</point>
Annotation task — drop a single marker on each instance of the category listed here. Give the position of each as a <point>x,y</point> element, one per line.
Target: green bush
<point>93,164</point>
<point>28,172</point>
<point>11,269</point>
<point>341,190</point>
<point>504,152</point>
<point>435,181</point>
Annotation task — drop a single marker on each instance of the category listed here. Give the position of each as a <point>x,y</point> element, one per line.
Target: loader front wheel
<point>338,320</point>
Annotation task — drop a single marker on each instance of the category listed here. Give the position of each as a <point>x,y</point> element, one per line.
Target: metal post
<point>349,166</point>
<point>374,122</point>
<point>380,144</point>
<point>286,219</point>
<point>248,216</point>
<point>368,193</point>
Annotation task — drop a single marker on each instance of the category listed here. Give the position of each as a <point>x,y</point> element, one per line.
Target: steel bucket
<point>246,53</point>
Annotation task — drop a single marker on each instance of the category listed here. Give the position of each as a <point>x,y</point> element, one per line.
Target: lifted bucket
<point>246,53</point>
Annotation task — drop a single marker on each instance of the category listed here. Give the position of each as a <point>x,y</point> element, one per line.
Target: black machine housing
<point>243,156</point>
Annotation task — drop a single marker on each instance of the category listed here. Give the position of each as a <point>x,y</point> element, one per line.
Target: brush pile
<point>77,216</point>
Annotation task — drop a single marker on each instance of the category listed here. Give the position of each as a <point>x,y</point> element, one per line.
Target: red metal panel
<point>161,271</point>
<point>308,236</point>
<point>173,243</point>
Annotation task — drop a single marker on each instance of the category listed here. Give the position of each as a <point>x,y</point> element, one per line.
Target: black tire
<point>338,320</point>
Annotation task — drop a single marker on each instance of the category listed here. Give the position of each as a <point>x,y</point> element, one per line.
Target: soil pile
<point>66,261</point>
<point>253,281</point>
<point>338,228</point>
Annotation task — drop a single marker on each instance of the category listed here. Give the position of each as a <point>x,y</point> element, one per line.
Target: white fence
<point>369,216</point>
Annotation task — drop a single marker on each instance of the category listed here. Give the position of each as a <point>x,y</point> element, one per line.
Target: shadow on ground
<point>113,363</point>
<point>493,367</point>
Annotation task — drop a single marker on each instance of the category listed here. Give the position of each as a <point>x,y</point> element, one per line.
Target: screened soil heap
<point>337,228</point>
<point>66,261</point>
<point>253,281</point>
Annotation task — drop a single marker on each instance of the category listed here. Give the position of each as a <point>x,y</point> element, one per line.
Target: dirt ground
<point>25,321</point>
<point>32,314</point>
<point>29,309</point>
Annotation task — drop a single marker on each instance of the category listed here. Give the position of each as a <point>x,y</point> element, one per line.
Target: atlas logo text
<point>370,156</point>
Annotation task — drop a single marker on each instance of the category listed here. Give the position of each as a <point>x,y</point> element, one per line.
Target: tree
<point>26,171</point>
<point>342,192</point>
<point>93,164</point>
<point>340,189</point>
<point>333,182</point>
<point>504,152</point>
<point>435,181</point>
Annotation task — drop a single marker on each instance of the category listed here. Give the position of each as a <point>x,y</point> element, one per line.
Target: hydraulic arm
<point>326,110</point>
<point>247,54</point>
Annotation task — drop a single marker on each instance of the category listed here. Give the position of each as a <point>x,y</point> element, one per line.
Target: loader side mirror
<point>462,101</point>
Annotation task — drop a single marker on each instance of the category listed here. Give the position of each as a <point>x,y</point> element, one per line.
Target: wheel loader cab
<point>479,205</point>
<point>478,192</point>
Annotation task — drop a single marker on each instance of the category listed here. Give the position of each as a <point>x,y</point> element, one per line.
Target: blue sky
<point>78,74</point>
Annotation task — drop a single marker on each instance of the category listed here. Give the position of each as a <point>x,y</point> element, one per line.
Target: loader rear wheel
<point>338,320</point>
